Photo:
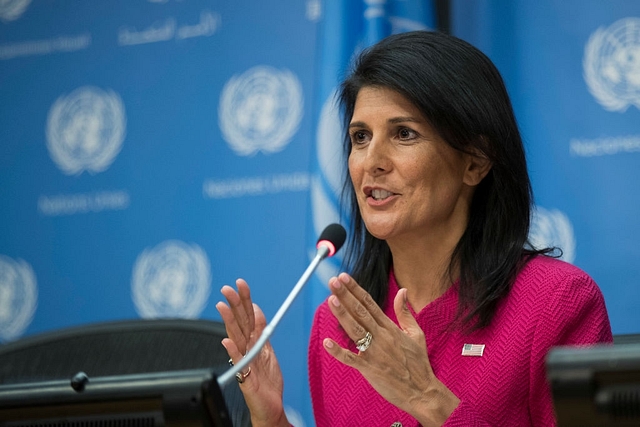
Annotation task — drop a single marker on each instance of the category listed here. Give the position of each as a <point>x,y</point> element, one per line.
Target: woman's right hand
<point>263,387</point>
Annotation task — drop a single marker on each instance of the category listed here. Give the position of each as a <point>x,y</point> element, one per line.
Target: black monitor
<point>190,398</point>
<point>596,386</point>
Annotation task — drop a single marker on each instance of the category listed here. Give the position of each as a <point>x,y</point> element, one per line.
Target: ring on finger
<point>363,343</point>
<point>241,376</point>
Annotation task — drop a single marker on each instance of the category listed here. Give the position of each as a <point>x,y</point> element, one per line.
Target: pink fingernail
<point>334,300</point>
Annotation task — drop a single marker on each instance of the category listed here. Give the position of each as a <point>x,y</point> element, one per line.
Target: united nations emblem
<point>85,130</point>
<point>18,297</point>
<point>10,10</point>
<point>552,228</point>
<point>260,110</point>
<point>326,185</point>
<point>612,65</point>
<point>172,279</point>
<point>329,140</point>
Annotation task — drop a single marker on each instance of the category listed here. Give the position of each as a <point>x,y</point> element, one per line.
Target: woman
<point>447,315</point>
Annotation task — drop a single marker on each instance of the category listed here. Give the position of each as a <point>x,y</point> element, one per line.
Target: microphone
<point>330,241</point>
<point>332,238</point>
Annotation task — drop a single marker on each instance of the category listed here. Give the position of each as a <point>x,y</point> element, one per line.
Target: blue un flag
<point>346,27</point>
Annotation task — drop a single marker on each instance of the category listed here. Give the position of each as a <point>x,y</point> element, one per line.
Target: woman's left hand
<point>396,363</point>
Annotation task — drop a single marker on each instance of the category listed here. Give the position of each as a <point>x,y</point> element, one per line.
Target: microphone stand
<point>322,253</point>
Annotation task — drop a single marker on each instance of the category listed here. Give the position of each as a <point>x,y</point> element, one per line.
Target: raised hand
<point>262,385</point>
<point>394,360</point>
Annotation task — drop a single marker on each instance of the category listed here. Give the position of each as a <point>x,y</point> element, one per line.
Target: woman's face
<point>408,181</point>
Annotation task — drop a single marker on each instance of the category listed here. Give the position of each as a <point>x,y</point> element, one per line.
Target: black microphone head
<point>333,237</point>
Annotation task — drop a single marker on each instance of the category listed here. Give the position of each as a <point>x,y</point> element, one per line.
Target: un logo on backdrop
<point>172,279</point>
<point>10,10</point>
<point>612,65</point>
<point>85,130</point>
<point>327,187</point>
<point>551,227</point>
<point>18,297</point>
<point>327,182</point>
<point>260,110</point>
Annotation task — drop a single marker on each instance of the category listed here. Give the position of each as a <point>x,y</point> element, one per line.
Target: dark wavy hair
<point>461,93</point>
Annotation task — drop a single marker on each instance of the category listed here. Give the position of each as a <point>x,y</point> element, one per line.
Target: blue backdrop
<point>152,151</point>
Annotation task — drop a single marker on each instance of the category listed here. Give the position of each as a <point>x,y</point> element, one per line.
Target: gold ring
<point>241,376</point>
<point>363,343</point>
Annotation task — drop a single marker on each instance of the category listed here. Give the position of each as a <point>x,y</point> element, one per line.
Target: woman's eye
<point>405,133</point>
<point>358,137</point>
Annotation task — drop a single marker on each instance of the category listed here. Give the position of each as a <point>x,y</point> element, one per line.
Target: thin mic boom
<point>330,242</point>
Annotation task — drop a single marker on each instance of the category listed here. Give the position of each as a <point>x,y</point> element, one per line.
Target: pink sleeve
<point>574,314</point>
<point>314,366</point>
<point>465,415</point>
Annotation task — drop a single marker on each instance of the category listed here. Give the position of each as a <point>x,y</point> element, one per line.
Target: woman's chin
<point>380,231</point>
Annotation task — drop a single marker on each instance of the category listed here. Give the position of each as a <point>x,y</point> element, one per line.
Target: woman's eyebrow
<point>393,120</point>
<point>403,119</point>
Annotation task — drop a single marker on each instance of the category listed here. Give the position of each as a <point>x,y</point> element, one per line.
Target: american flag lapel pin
<point>473,349</point>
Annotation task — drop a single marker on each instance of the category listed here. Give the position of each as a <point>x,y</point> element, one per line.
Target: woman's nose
<point>377,160</point>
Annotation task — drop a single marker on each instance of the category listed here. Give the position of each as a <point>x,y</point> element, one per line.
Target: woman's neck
<point>424,270</point>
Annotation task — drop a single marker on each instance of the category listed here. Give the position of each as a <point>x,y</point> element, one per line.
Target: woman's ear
<point>478,166</point>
